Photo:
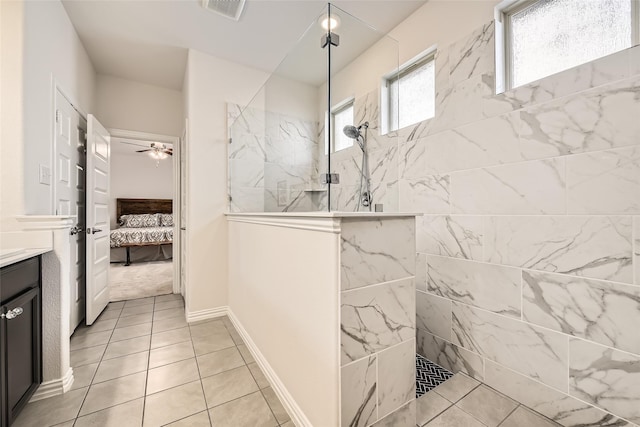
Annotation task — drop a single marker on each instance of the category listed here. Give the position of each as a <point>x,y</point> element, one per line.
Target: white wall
<point>136,176</point>
<point>11,147</point>
<point>212,83</point>
<point>269,267</point>
<point>52,53</point>
<point>129,105</point>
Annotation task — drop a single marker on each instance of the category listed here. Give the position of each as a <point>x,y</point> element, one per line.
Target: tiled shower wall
<point>528,264</point>
<point>377,329</point>
<point>272,161</point>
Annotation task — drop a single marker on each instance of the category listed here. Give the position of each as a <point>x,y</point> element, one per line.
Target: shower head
<point>351,131</point>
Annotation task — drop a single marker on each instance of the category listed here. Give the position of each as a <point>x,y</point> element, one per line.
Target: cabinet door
<point>22,351</point>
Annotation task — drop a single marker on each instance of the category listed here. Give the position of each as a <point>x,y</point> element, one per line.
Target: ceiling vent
<point>228,8</point>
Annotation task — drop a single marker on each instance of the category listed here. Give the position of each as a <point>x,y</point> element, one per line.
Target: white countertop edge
<point>27,253</point>
<point>324,222</point>
<point>323,214</point>
<point>46,222</point>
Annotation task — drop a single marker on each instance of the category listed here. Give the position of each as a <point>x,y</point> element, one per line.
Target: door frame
<point>175,160</point>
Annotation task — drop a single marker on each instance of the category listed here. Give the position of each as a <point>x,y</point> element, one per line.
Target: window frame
<point>504,64</point>
<point>337,109</point>
<point>428,55</point>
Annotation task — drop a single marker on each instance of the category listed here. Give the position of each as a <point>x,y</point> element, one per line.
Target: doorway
<point>145,215</point>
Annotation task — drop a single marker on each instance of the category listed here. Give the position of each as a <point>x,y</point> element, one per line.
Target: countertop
<point>323,214</point>
<point>11,256</point>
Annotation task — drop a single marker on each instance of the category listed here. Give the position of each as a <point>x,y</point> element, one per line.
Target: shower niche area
<point>322,263</point>
<point>312,138</point>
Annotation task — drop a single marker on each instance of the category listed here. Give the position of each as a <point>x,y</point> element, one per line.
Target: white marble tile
<point>473,55</point>
<point>491,287</point>
<point>246,173</point>
<point>403,417</point>
<point>374,251</point>
<point>458,105</point>
<point>484,143</point>
<point>429,194</point>
<point>449,356</point>
<point>412,158</point>
<point>636,248</point>
<point>524,188</point>
<point>248,148</point>
<point>376,317</point>
<point>366,109</point>
<point>275,173</point>
<point>279,150</point>
<point>549,402</point>
<point>433,314</point>
<point>598,119</point>
<point>247,199</point>
<point>396,376</point>
<point>421,272</point>
<point>606,378</point>
<point>453,236</point>
<point>604,312</point>
<point>605,182</point>
<point>359,392</point>
<point>634,61</point>
<point>595,247</point>
<point>345,198</point>
<point>583,77</point>
<point>539,353</point>
<point>383,164</point>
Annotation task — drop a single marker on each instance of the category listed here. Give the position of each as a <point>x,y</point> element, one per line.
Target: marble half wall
<point>378,322</point>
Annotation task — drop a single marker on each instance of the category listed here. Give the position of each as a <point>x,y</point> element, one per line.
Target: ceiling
<point>147,41</point>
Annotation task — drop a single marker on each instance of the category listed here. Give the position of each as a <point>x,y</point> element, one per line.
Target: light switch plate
<point>45,175</point>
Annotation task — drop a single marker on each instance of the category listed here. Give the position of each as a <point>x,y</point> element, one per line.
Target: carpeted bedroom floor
<point>140,280</point>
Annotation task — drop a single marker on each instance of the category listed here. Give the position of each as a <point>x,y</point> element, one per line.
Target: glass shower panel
<point>281,152</point>
<point>360,62</point>
<point>275,165</point>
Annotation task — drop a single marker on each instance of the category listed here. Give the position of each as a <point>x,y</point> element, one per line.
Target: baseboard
<point>54,387</point>
<point>210,313</point>
<point>298,417</point>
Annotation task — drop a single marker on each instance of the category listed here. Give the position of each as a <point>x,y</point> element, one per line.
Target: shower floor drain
<point>429,375</point>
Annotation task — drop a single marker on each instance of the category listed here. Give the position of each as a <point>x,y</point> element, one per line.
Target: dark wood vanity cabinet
<point>20,336</point>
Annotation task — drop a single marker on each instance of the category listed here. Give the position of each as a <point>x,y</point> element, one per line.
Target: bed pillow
<point>140,221</point>
<point>166,220</point>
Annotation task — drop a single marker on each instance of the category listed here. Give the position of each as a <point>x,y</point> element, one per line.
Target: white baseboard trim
<point>54,387</point>
<point>210,313</point>
<point>298,417</point>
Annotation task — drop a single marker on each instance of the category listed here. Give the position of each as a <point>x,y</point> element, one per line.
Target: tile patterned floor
<point>141,364</point>
<point>429,375</point>
<point>463,401</point>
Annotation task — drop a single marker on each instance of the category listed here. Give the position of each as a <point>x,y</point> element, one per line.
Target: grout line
<point>510,413</point>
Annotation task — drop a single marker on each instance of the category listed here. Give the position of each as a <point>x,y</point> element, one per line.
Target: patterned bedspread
<point>146,235</point>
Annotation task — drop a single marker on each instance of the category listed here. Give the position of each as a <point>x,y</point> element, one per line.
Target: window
<point>410,93</point>
<point>342,116</point>
<point>545,37</point>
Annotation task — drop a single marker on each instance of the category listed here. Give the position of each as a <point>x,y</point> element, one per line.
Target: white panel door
<point>69,185</point>
<point>98,155</point>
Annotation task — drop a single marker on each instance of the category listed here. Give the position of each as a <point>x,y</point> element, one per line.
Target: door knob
<point>12,314</point>
<point>93,230</point>
<point>76,230</point>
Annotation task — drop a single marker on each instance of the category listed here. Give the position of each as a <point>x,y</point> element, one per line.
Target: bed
<point>143,222</point>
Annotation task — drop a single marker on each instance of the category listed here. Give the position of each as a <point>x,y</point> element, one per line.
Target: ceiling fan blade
<point>169,152</point>
<point>133,143</point>
<point>142,151</point>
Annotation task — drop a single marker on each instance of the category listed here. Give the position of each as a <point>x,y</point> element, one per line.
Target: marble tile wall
<point>272,161</point>
<point>378,322</point>
<point>528,252</point>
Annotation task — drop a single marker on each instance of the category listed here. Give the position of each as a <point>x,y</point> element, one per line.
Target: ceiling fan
<point>157,150</point>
